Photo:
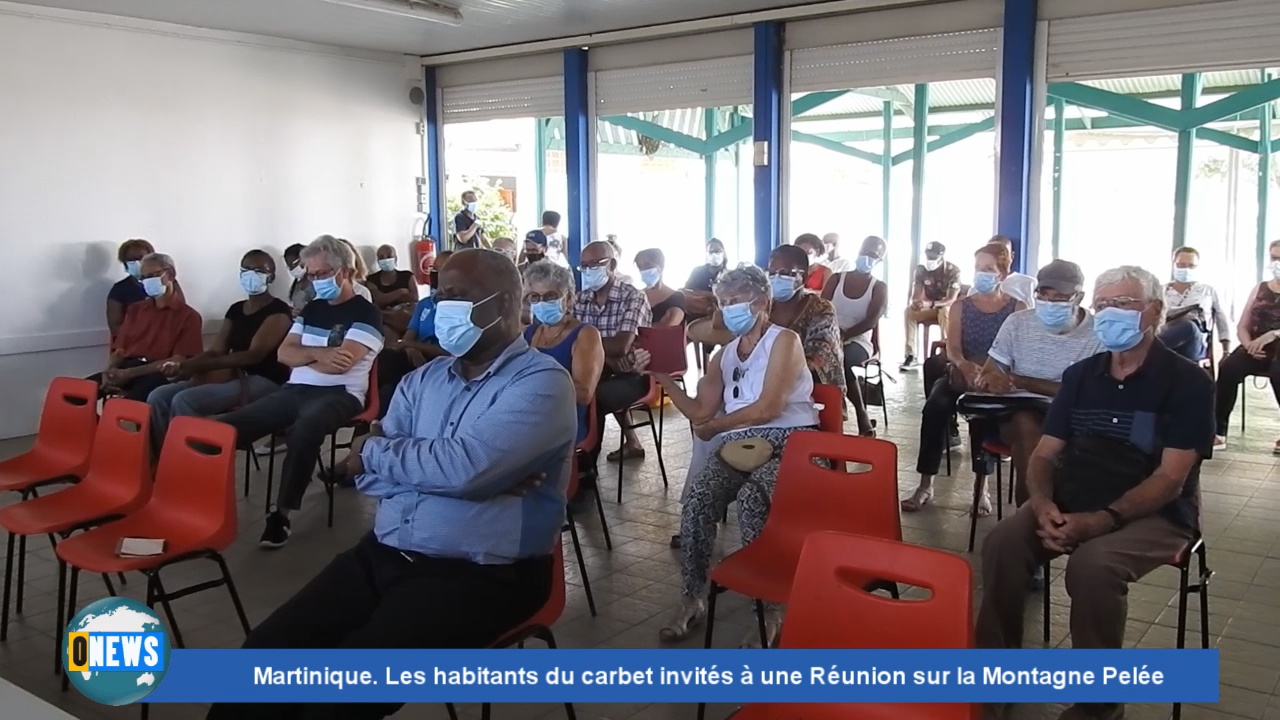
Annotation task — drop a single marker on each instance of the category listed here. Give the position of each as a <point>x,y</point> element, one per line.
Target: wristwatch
<point>1117,520</point>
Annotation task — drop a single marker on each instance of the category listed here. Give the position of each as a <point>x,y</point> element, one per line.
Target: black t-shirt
<point>245,327</point>
<point>399,281</point>
<point>462,221</point>
<point>703,277</point>
<point>675,301</point>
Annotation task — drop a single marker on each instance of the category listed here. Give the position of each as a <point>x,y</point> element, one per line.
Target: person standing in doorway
<point>467,230</point>
<point>935,287</point>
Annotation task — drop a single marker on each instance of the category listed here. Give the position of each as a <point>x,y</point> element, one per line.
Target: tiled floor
<point>636,584</point>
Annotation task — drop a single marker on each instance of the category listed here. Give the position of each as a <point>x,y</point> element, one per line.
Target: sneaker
<point>1037,580</point>
<point>1219,442</point>
<point>908,364</point>
<point>276,534</point>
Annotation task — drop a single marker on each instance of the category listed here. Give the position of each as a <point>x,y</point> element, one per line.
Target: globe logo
<point>116,651</point>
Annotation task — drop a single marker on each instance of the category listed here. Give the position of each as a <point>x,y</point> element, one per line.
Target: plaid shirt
<point>625,310</point>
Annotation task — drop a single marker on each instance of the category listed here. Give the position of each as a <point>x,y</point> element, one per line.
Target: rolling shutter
<point>932,58</point>
<point>540,97</point>
<point>700,83</point>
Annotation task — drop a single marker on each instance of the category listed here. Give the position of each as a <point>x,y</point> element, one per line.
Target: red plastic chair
<point>117,483</point>
<point>193,509</point>
<point>830,609</point>
<point>358,425</point>
<point>809,498</point>
<point>831,414</point>
<point>538,626</point>
<point>60,454</point>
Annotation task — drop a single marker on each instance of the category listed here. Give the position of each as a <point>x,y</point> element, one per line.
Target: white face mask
<point>932,265</point>
<point>297,271</point>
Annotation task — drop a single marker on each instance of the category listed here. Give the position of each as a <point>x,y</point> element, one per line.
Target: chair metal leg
<point>106,580</point>
<point>622,440</point>
<point>8,582</point>
<point>486,713</point>
<point>248,454</point>
<point>604,523</point>
<point>163,597</point>
<point>764,630</point>
<point>453,713</point>
<point>231,588</point>
<point>22,572</point>
<point>1000,487</point>
<point>1046,604</point>
<point>1203,588</point>
<point>582,565</point>
<point>657,441</point>
<point>711,615</point>
<point>973,511</point>
<point>61,620</point>
<point>271,472</point>
<point>71,611</point>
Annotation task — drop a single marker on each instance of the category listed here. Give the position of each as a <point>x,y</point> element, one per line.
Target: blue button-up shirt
<point>452,448</point>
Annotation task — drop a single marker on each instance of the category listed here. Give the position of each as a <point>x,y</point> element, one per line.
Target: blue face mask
<point>1184,275</point>
<point>326,288</point>
<point>547,312</point>
<point>865,264</point>
<point>387,264</point>
<point>134,268</point>
<point>455,331</point>
<point>1055,315</point>
<point>784,287</point>
<point>739,318</point>
<point>985,282</point>
<point>471,207</point>
<point>1118,329</point>
<point>651,277</point>
<point>153,286</point>
<point>253,282</point>
<point>594,278</point>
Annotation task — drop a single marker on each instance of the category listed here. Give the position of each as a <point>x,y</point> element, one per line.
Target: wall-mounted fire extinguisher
<point>422,251</point>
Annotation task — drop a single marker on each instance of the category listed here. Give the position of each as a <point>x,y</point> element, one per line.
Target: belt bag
<point>1097,470</point>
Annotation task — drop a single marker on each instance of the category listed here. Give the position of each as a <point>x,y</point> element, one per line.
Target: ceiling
<point>487,23</point>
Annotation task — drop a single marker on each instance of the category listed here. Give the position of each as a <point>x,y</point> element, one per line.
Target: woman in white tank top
<point>860,300</point>
<point>735,403</point>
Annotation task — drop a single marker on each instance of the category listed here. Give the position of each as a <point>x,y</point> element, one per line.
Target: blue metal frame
<point>1017,122</point>
<point>767,129</point>
<point>578,130</point>
<point>433,163</point>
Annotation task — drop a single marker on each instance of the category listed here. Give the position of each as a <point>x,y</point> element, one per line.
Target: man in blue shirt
<point>469,472</point>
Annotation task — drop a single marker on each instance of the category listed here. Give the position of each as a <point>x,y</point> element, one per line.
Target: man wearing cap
<point>936,286</point>
<point>535,248</point>
<point>1030,353</point>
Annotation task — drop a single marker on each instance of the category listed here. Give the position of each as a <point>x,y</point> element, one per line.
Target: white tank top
<point>798,410</point>
<point>851,311</point>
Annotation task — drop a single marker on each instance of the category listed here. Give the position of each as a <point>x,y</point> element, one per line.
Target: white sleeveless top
<point>851,311</point>
<point>798,410</point>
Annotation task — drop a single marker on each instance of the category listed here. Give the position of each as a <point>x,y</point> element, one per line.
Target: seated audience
<point>300,291</point>
<point>833,260</point>
<point>549,293</point>
<point>666,304</point>
<point>1190,306</point>
<point>1114,482</point>
<point>1018,286</point>
<point>735,402</point>
<point>1258,353</point>
<point>241,367</point>
<point>161,329</point>
<point>699,300</point>
<point>935,287</point>
<point>535,248</point>
<point>360,271</point>
<point>330,348</point>
<point>468,232</point>
<point>416,347</point>
<point>807,314</point>
<point>860,300</point>
<point>1032,350</point>
<point>470,498</point>
<point>393,291</point>
<point>617,310</point>
<point>506,247</point>
<point>969,338</point>
<point>128,290</point>
<point>818,273</point>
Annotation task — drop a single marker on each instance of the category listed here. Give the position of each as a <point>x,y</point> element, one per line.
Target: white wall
<point>207,144</point>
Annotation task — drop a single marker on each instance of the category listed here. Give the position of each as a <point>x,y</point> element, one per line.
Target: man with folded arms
<point>470,472</point>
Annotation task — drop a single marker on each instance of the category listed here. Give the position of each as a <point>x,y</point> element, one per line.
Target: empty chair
<point>63,442</point>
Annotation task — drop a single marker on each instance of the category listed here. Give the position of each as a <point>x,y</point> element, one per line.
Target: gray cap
<point>1061,275</point>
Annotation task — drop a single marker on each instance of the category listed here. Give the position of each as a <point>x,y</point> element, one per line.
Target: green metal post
<point>1182,180</point>
<point>919,148</point>
<point>1059,141</point>
<point>1264,176</point>
<point>542,139</point>
<point>886,168</point>
<point>709,119</point>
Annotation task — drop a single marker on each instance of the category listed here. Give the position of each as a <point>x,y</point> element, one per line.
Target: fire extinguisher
<point>423,252</point>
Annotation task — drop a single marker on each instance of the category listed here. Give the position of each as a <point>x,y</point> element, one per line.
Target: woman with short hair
<point>128,290</point>
<point>666,303</point>
<point>734,402</point>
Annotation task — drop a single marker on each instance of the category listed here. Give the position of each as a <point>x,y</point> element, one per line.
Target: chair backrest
<point>68,423</point>
<point>667,345</point>
<point>371,404</point>
<point>810,498</point>
<point>196,480</point>
<point>829,578</point>
<point>120,465</point>
<point>831,414</point>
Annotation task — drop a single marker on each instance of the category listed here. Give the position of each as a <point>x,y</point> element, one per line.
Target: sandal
<point>918,500</point>
<point>626,453</point>
<point>691,614</point>
<point>984,505</point>
<point>772,624</point>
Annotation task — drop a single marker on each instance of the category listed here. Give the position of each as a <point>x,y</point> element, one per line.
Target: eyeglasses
<point>599,263</point>
<point>544,297</point>
<point>1124,302</point>
<point>797,273</point>
<point>738,374</point>
<point>322,274</point>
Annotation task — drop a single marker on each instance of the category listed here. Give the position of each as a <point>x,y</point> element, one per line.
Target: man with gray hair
<point>1114,482</point>
<point>330,348</point>
<point>155,331</point>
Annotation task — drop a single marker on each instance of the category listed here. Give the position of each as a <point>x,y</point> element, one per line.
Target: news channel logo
<point>116,651</point>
